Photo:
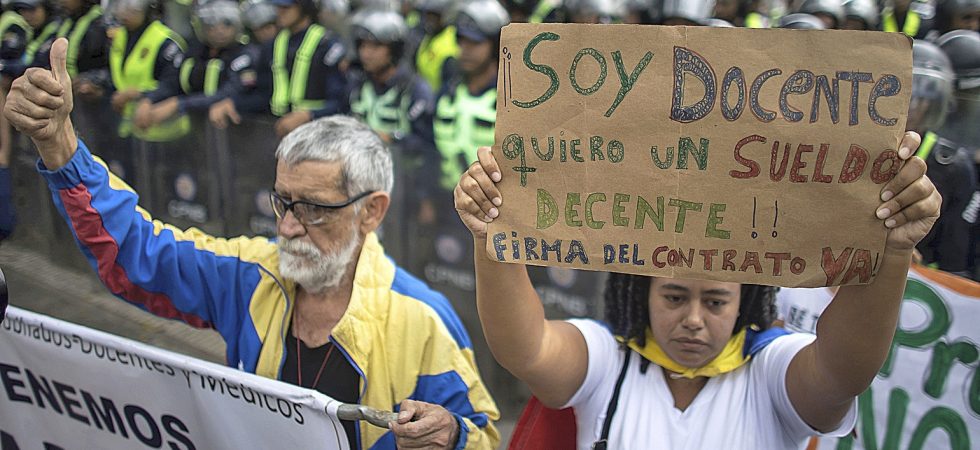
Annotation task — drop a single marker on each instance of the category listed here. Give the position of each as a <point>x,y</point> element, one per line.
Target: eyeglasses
<point>310,213</point>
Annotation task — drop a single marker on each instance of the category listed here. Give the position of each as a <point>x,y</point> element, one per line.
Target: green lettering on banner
<point>685,145</point>
<point>643,210</point>
<point>973,395</point>
<point>939,322</point>
<point>714,220</point>
<point>943,357</point>
<point>898,404</point>
<point>941,418</point>
<point>547,70</point>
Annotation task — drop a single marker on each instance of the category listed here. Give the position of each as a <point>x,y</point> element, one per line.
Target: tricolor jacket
<point>404,339</point>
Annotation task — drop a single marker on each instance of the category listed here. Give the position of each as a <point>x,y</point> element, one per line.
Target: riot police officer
<point>216,66</point>
<point>950,165</point>
<point>144,51</point>
<point>860,15</point>
<point>466,110</point>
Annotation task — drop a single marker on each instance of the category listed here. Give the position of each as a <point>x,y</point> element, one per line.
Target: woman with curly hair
<point>694,364</point>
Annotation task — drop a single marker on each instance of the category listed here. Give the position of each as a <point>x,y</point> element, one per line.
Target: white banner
<point>927,395</point>
<point>69,387</point>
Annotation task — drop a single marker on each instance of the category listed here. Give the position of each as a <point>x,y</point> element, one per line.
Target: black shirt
<point>339,379</point>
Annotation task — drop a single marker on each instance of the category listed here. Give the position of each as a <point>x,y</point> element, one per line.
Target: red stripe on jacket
<point>87,222</point>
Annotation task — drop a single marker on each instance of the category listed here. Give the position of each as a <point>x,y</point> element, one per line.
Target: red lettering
<point>777,174</point>
<point>857,158</point>
<point>727,263</point>
<point>777,265</point>
<point>860,267</point>
<point>833,266</point>
<point>794,172</point>
<point>656,252</point>
<point>818,174</point>
<point>751,259</point>
<point>753,166</point>
<point>708,256</point>
<point>880,177</point>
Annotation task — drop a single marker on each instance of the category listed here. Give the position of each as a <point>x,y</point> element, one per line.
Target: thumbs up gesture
<point>39,104</point>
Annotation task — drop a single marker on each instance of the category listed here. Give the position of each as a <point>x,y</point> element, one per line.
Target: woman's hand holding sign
<point>910,202</point>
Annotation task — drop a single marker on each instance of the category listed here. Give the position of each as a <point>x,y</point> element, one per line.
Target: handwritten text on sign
<point>729,154</point>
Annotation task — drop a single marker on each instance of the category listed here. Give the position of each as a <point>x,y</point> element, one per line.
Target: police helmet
<point>827,8</point>
<point>131,5</point>
<point>25,4</point>
<point>717,23</point>
<point>481,20</point>
<point>693,11</point>
<point>523,7</point>
<point>434,6</point>
<point>386,27</point>
<point>600,9</point>
<point>948,10</point>
<point>865,11</point>
<point>932,86</point>
<point>963,49</point>
<point>338,8</point>
<point>257,13</point>
<point>801,21</point>
<point>223,12</point>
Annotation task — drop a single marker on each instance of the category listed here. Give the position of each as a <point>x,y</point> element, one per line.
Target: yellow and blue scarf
<point>739,349</point>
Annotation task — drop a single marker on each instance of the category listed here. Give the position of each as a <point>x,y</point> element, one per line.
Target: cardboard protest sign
<point>730,154</point>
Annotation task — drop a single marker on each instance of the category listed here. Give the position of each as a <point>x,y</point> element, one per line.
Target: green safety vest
<point>289,89</point>
<point>433,53</point>
<point>212,74</point>
<point>462,124</point>
<point>135,70</point>
<point>912,22</point>
<point>386,113</point>
<point>75,33</point>
<point>755,20</point>
<point>32,47</point>
<point>541,11</point>
<point>928,142</point>
<point>10,19</point>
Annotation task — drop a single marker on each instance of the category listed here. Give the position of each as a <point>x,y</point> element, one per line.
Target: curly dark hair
<point>628,308</point>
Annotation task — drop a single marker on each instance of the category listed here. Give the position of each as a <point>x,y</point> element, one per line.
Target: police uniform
<point>464,121</point>
<point>140,60</point>
<point>204,79</point>
<point>913,24</point>
<point>402,108</point>
<point>15,32</point>
<point>88,45</point>
<point>436,56</point>
<point>305,73</point>
<point>35,50</point>
<point>951,169</point>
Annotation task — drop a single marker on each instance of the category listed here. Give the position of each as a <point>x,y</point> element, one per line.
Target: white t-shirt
<point>747,409</point>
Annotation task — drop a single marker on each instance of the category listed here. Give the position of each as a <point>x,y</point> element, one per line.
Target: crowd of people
<point>322,307</point>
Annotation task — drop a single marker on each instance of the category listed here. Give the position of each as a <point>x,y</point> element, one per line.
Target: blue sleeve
<point>184,275</point>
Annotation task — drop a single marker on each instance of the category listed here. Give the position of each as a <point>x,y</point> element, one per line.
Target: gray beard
<point>313,269</point>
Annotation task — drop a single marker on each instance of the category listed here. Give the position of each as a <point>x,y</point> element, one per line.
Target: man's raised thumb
<point>59,61</point>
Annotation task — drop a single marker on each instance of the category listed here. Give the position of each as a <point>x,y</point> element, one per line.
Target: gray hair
<point>366,160</point>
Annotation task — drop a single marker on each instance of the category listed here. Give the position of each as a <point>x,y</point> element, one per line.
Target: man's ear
<point>373,210</point>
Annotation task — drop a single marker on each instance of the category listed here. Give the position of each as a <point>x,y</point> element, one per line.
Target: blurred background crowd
<point>186,100</point>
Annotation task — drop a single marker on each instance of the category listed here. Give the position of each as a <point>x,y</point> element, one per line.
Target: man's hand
<point>424,425</point>
<point>290,121</point>
<point>222,112</point>
<point>39,104</point>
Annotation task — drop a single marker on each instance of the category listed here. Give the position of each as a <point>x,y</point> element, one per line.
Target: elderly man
<point>324,309</point>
